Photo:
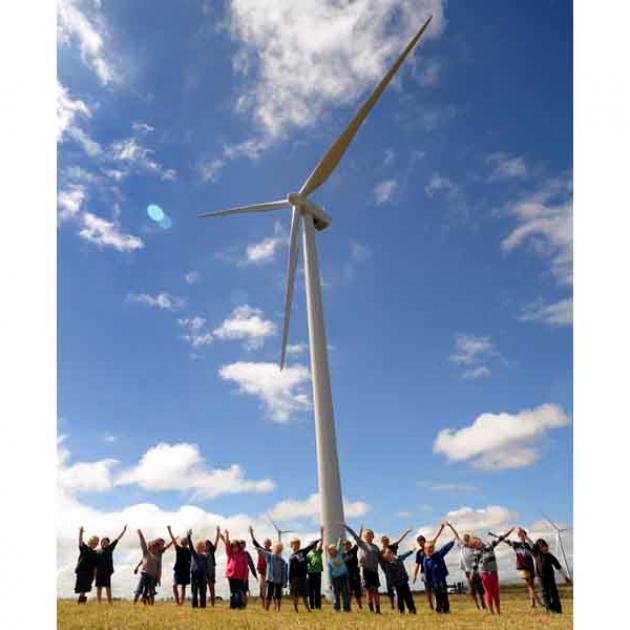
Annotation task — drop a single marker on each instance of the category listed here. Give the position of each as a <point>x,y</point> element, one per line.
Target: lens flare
<point>155,212</point>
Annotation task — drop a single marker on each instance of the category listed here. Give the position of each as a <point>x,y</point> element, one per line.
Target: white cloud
<point>291,509</point>
<point>69,111</point>
<point>73,24</point>
<point>162,300</point>
<point>556,314</point>
<point>246,323</point>
<point>390,156</point>
<point>281,392</point>
<point>298,58</point>
<point>108,438</point>
<point>294,349</point>
<point>103,233</point>
<point>133,155</point>
<point>262,252</point>
<point>474,352</point>
<point>83,476</point>
<point>180,467</point>
<point>192,277</point>
<point>197,334</point>
<point>141,127</point>
<point>479,520</point>
<point>545,223</point>
<point>441,184</point>
<point>384,191</point>
<point>501,440</point>
<point>359,252</point>
<point>506,166</point>
<point>70,200</point>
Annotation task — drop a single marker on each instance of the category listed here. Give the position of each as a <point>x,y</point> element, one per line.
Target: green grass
<point>123,615</point>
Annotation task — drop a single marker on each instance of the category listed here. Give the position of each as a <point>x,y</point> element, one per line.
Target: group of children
<point>352,568</point>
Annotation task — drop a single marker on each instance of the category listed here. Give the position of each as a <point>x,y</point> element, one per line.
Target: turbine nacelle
<point>321,220</point>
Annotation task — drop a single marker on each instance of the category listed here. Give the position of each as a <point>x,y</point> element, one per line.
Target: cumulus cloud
<point>501,440</point>
<point>264,251</point>
<point>180,467</point>
<point>297,59</point>
<point>196,334</point>
<point>384,191</point>
<point>89,33</point>
<point>246,323</point>
<point>192,277</point>
<point>103,233</point>
<point>479,520</point>
<point>292,509</point>
<point>455,488</point>
<point>162,300</point>
<point>558,313</point>
<point>281,392</point>
<point>81,477</point>
<point>506,166</point>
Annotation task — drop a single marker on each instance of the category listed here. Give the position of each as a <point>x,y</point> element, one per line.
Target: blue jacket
<point>434,567</point>
<point>271,566</point>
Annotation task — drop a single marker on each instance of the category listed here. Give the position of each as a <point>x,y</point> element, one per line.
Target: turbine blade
<point>257,207</point>
<point>288,296</point>
<point>549,521</point>
<point>328,163</point>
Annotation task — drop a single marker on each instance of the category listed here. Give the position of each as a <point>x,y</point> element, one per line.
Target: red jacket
<point>236,567</point>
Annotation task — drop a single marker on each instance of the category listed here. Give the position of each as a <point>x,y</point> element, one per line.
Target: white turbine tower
<point>314,218</point>
<point>559,545</point>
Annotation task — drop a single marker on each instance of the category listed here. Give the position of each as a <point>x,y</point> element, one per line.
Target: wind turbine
<point>278,530</point>
<point>314,218</point>
<point>559,545</point>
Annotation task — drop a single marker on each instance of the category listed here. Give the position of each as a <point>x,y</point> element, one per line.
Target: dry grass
<point>123,615</point>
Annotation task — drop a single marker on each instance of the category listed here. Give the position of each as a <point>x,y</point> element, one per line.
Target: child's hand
<point>81,529</point>
<point>135,571</point>
<point>189,532</point>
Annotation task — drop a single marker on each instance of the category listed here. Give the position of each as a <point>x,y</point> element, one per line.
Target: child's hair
<point>430,546</point>
<point>93,539</point>
<point>105,539</point>
<point>421,539</point>
<point>294,541</point>
<point>267,542</point>
<point>368,531</point>
<point>541,542</point>
<point>385,539</point>
<point>332,548</point>
<point>279,547</point>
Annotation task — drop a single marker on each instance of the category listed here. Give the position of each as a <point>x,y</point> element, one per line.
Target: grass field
<point>123,615</point>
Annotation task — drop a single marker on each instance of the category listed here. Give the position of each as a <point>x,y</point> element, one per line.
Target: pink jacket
<point>236,567</point>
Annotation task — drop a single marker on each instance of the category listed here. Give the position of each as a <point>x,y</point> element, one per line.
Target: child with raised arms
<point>86,566</point>
<point>338,575</point>
<point>489,570</point>
<point>369,558</point>
<point>298,572</point>
<point>315,569</point>
<point>276,571</point>
<point>105,566</point>
<point>181,569</point>
<point>545,563</point>
<point>393,547</point>
<point>396,574</point>
<point>198,571</point>
<point>211,550</point>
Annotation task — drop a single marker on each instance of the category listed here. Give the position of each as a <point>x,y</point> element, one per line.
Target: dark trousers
<point>551,597</point>
<point>237,593</point>
<point>341,590</point>
<point>440,591</point>
<point>274,591</point>
<point>404,598</point>
<point>198,588</point>
<point>315,590</point>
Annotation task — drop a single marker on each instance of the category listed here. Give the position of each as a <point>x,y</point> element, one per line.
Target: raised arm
<point>143,542</point>
<point>459,540</point>
<point>254,541</point>
<point>169,545</point>
<point>321,538</point>
<point>501,538</point>
<point>137,567</point>
<point>193,551</point>
<point>170,533</point>
<point>361,544</point>
<point>438,533</point>
<point>402,536</point>
<point>81,530</point>
<point>216,538</point>
<point>122,533</point>
<point>404,556</point>
<point>311,546</point>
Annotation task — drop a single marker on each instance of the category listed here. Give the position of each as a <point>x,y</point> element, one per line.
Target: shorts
<point>355,585</point>
<point>370,579</point>
<point>298,586</point>
<point>525,574</point>
<point>103,580</point>
<point>83,582</point>
<point>181,578</point>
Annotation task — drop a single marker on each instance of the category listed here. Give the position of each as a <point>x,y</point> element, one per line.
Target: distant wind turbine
<point>278,530</point>
<point>314,218</point>
<point>559,545</point>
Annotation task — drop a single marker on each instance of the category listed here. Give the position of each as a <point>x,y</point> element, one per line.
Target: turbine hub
<point>295,199</point>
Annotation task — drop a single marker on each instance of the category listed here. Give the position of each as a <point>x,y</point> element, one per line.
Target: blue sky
<point>447,268</point>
